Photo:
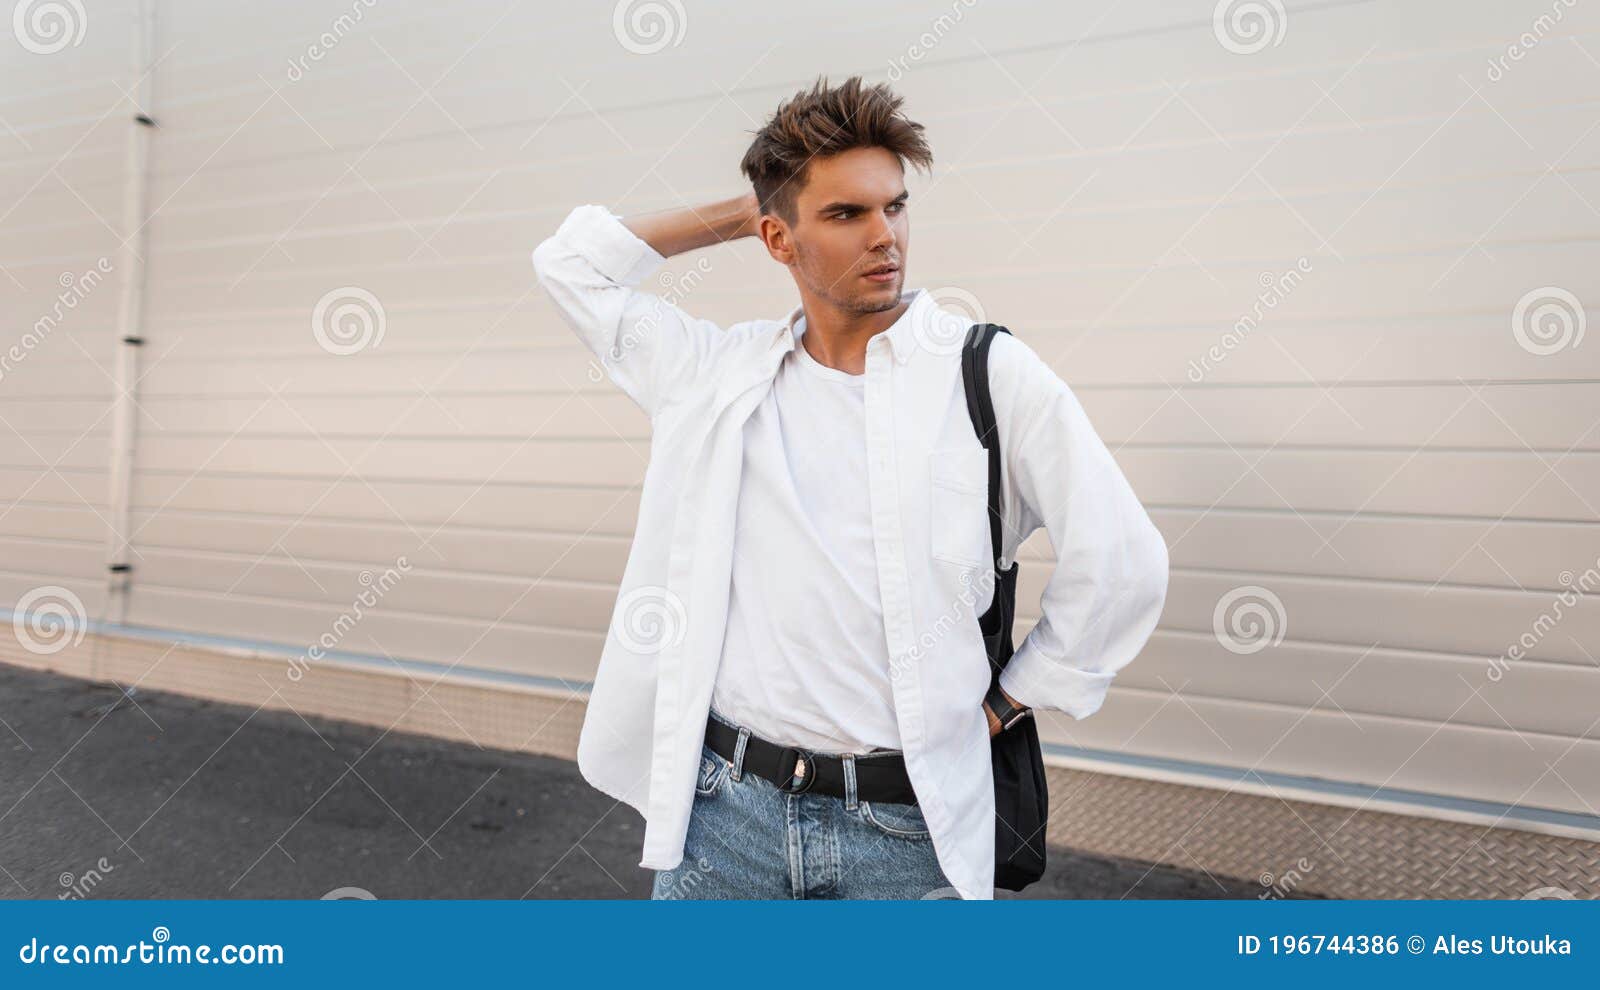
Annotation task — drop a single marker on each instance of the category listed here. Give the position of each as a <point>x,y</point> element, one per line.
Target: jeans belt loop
<point>738,754</point>
<point>849,760</point>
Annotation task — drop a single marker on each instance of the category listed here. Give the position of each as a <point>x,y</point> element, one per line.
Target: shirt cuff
<point>605,241</point>
<point>1040,682</point>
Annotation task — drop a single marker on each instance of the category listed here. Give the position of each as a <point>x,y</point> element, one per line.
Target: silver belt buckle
<point>804,771</point>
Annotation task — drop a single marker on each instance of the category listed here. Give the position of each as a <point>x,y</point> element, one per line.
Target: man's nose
<point>885,232</point>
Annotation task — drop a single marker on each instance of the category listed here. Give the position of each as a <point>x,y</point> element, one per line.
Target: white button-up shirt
<point>927,477</point>
<point>805,662</point>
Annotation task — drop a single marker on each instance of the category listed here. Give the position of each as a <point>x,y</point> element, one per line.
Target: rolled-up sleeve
<point>591,268</point>
<point>1103,599</point>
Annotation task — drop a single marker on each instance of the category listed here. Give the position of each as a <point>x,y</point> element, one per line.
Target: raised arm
<point>672,232</point>
<point>592,267</point>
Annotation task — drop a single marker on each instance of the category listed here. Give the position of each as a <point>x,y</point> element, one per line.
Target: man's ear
<point>778,238</point>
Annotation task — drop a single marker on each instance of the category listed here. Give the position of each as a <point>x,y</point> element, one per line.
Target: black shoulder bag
<point>1021,802</point>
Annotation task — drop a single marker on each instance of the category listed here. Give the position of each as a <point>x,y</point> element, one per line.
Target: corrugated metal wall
<point>64,132</point>
<point>1306,268</point>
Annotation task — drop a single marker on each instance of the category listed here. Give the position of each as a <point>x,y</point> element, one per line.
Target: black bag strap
<point>997,621</point>
<point>980,407</point>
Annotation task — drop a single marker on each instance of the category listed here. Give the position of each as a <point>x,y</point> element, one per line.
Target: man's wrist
<point>747,217</point>
<point>1006,710</point>
<point>731,219</point>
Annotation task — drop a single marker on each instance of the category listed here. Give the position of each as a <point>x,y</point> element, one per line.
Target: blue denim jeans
<point>749,840</point>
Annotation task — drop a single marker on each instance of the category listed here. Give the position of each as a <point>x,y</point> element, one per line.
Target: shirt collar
<point>902,333</point>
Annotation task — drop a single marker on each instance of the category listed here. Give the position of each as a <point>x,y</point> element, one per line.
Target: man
<point>792,687</point>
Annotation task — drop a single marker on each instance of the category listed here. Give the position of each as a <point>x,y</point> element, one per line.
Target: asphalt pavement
<point>165,796</point>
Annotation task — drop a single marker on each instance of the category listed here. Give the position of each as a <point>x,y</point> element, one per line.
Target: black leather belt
<point>880,777</point>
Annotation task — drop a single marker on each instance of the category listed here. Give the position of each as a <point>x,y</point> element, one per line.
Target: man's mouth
<point>882,273</point>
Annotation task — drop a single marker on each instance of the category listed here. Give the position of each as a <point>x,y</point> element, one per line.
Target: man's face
<point>850,218</point>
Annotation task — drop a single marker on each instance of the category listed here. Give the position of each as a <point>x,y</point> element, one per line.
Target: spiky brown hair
<point>822,122</point>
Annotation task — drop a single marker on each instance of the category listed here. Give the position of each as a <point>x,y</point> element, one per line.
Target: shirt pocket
<point>958,485</point>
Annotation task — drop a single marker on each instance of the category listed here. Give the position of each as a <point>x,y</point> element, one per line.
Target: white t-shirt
<point>806,661</point>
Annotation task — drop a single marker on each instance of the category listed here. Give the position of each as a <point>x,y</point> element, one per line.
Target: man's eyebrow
<point>837,205</point>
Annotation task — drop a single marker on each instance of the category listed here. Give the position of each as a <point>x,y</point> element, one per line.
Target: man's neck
<point>838,340</point>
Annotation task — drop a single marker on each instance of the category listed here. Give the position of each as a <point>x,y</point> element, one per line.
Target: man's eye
<point>897,207</point>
